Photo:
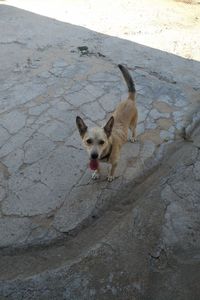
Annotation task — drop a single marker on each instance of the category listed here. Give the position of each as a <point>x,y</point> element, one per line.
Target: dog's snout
<point>94,155</point>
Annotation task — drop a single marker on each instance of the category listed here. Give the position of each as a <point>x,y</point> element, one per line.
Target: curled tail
<point>129,81</point>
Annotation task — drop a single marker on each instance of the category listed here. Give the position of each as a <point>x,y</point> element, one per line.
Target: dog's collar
<point>107,155</point>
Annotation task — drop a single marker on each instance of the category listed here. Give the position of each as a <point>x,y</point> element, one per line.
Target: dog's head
<point>96,139</point>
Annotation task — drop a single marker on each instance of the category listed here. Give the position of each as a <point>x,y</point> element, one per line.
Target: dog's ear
<point>108,127</point>
<point>81,126</point>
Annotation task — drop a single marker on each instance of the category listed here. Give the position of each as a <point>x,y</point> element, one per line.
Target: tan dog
<point>104,144</point>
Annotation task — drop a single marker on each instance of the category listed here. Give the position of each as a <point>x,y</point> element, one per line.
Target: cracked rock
<point>37,147</point>
<point>14,160</point>
<point>77,207</point>
<point>93,111</point>
<point>197,170</point>
<point>4,135</point>
<point>13,231</point>
<point>33,200</point>
<point>18,121</point>
<point>55,130</point>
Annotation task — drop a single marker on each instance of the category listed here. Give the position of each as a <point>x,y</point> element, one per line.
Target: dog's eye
<point>89,141</point>
<point>101,142</point>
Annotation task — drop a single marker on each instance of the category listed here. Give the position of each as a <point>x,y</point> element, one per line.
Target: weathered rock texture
<point>145,243</point>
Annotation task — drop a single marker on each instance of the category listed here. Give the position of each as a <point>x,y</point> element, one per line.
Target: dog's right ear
<point>108,127</point>
<point>81,126</point>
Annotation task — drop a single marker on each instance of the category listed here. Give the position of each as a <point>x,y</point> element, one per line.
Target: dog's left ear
<point>108,127</point>
<point>81,126</point>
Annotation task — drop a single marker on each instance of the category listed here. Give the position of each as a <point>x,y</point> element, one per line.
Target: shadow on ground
<point>105,233</point>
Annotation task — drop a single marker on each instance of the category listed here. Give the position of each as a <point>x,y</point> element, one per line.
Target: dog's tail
<point>129,81</point>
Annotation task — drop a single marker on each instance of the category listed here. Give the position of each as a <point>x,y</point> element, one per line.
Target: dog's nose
<point>94,155</point>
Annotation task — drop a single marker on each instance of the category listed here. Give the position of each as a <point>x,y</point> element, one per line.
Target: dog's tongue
<point>94,163</point>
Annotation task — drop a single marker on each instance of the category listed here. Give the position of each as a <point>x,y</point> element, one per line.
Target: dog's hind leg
<point>132,127</point>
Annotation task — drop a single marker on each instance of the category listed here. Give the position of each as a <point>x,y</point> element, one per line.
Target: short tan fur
<point>105,143</point>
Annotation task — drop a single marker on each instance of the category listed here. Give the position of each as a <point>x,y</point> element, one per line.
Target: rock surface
<point>144,246</point>
<point>128,239</point>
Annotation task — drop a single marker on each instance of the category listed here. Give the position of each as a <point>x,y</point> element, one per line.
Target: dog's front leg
<point>96,174</point>
<point>112,171</point>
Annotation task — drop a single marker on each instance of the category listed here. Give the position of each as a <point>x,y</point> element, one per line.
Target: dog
<point>105,143</point>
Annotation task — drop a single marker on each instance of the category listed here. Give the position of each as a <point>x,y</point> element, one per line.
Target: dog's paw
<point>95,175</point>
<point>132,140</point>
<point>110,178</point>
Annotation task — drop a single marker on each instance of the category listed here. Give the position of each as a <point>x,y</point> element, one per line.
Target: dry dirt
<point>172,26</point>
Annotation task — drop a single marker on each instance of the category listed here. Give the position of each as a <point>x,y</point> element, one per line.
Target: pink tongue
<point>94,163</point>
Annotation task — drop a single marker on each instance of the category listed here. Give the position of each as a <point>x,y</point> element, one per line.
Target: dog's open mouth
<point>94,163</point>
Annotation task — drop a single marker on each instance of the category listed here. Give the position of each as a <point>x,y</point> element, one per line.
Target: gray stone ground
<point>46,191</point>
<point>145,246</point>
